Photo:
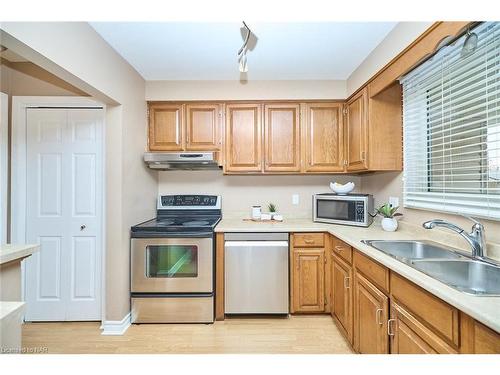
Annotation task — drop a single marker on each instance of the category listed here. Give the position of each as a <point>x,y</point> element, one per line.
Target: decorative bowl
<point>342,189</point>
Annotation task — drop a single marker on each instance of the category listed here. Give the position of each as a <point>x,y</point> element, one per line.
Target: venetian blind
<point>451,120</point>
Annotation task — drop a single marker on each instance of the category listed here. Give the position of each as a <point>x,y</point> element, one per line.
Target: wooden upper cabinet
<point>282,138</point>
<point>411,336</point>
<point>203,127</point>
<point>243,138</point>
<point>357,131</point>
<point>341,290</point>
<point>371,307</point>
<point>166,127</point>
<point>323,138</point>
<point>308,280</point>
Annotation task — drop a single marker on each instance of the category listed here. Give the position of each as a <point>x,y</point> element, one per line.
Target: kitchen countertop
<point>11,252</point>
<point>484,309</point>
<point>7,308</point>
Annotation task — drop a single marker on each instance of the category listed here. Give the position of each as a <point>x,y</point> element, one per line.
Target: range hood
<point>166,161</point>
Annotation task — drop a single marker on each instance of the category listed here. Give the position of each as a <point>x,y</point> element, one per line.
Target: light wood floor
<point>309,334</point>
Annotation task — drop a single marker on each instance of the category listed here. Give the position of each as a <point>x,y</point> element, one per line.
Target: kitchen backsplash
<point>241,192</point>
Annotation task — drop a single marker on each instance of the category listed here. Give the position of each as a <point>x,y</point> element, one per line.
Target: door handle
<point>346,282</point>
<point>378,316</point>
<point>389,331</point>
<point>83,226</point>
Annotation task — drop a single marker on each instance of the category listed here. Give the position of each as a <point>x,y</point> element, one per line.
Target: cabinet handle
<point>346,282</point>
<point>378,315</point>
<point>339,248</point>
<point>390,332</point>
<point>362,155</point>
<point>308,241</point>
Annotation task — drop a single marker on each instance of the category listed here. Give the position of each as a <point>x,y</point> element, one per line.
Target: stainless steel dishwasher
<point>256,273</point>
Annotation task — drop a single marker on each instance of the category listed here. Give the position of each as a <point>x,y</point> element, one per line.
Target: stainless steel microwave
<point>350,209</point>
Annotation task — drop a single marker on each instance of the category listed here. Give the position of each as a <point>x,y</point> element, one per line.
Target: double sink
<point>450,266</point>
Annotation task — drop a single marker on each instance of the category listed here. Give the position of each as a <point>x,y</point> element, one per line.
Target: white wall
<point>403,34</point>
<point>74,52</point>
<point>235,90</point>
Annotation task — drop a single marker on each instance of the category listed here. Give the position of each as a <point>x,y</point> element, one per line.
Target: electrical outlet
<point>394,201</point>
<point>295,199</point>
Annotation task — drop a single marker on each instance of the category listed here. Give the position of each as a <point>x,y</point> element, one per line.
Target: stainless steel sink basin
<point>469,276</point>
<point>408,250</point>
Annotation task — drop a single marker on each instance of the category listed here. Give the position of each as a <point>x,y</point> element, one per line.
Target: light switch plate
<point>394,201</point>
<point>295,199</point>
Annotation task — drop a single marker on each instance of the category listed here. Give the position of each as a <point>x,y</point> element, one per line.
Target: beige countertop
<point>484,309</point>
<point>11,252</point>
<point>8,307</point>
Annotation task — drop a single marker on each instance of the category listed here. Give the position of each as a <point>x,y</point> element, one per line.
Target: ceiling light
<point>470,44</point>
<point>242,53</point>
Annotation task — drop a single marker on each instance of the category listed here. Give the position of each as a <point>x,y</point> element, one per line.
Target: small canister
<point>256,212</point>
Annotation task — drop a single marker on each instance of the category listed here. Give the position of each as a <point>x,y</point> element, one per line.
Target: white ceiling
<point>207,51</point>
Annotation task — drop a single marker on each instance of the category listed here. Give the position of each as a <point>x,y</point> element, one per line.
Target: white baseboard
<point>115,327</point>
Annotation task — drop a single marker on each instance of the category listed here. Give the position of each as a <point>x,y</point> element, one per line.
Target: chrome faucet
<point>475,238</point>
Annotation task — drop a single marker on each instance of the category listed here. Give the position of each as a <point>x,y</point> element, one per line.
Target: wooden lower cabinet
<point>308,280</point>
<point>371,307</point>
<point>475,338</point>
<point>409,335</point>
<point>341,295</point>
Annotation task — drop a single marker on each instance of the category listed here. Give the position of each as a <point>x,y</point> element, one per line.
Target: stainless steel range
<point>172,261</point>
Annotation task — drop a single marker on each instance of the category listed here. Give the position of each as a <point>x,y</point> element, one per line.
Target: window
<point>451,121</point>
<point>172,261</point>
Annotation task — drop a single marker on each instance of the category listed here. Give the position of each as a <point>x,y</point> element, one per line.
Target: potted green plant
<point>388,213</point>
<point>273,211</point>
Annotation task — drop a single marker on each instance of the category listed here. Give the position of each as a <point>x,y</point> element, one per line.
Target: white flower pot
<point>389,224</point>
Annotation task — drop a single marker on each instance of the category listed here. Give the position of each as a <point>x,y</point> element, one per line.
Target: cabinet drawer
<point>375,272</point>
<point>342,250</point>
<point>433,312</point>
<point>308,240</point>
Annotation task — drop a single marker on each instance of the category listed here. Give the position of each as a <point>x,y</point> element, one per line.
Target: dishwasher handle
<point>256,243</point>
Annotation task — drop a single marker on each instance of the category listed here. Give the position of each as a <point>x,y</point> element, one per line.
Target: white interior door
<point>4,165</point>
<point>63,214</point>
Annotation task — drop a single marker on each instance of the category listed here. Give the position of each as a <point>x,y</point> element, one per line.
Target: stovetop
<point>181,216</point>
<point>188,226</point>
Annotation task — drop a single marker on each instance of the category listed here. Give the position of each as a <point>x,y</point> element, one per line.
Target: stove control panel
<point>189,202</point>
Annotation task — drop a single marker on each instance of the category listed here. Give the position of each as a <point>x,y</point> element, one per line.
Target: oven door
<point>171,265</point>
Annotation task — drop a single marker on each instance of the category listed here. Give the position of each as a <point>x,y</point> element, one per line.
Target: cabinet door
<point>243,138</point>
<point>281,138</point>
<point>308,280</point>
<point>166,127</point>
<point>341,302</point>
<point>203,127</point>
<point>411,336</point>
<point>357,132</point>
<point>370,317</point>
<point>323,137</point>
